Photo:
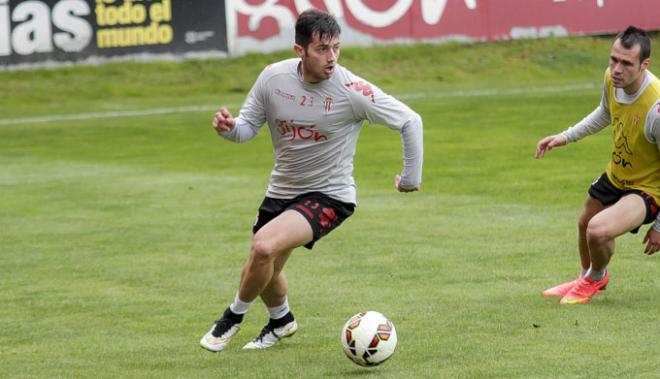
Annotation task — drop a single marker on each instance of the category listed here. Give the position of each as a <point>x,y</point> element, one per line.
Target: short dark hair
<point>633,36</point>
<point>314,22</point>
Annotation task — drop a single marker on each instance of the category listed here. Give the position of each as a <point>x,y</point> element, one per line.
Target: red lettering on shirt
<point>294,131</point>
<point>365,88</point>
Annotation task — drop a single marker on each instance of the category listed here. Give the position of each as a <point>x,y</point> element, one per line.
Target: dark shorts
<point>323,213</point>
<point>604,191</point>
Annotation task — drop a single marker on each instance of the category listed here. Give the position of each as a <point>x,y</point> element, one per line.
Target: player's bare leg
<point>271,247</point>
<point>275,292</point>
<point>590,209</point>
<point>625,215</point>
<point>622,217</point>
<point>273,241</point>
<point>282,323</point>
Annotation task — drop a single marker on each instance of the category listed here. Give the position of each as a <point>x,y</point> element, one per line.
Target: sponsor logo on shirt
<point>622,182</point>
<point>300,132</point>
<point>284,95</point>
<point>363,87</point>
<point>622,148</point>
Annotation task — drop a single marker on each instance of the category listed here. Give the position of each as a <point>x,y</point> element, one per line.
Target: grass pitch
<point>121,239</point>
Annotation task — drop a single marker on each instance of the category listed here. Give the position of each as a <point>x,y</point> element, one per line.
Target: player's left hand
<point>652,241</point>
<point>397,184</point>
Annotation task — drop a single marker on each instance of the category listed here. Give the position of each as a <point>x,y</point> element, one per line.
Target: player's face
<point>320,59</point>
<point>626,69</point>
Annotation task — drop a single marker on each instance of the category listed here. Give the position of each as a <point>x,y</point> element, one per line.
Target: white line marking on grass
<point>114,114</point>
<point>503,92</point>
<point>210,108</point>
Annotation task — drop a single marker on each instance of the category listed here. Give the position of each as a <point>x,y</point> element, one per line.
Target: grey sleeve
<point>378,107</point>
<point>652,125</point>
<point>243,131</point>
<point>412,140</point>
<point>594,122</point>
<point>252,115</point>
<point>652,134</point>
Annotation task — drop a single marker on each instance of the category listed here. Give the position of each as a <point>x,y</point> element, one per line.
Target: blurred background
<point>52,31</point>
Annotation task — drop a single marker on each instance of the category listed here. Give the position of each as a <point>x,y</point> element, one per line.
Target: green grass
<point>121,239</point>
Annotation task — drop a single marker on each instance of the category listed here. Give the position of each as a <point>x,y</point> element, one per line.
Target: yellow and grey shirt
<point>635,121</point>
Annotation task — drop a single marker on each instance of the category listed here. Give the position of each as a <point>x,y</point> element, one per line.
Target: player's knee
<point>597,233</point>
<point>262,250</point>
<point>583,223</point>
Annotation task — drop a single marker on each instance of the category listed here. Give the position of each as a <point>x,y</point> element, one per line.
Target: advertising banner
<point>87,30</point>
<point>264,25</point>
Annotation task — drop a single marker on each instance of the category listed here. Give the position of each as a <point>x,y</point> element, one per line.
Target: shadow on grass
<point>361,371</point>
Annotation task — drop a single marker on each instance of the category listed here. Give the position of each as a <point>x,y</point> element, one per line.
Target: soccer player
<point>315,109</point>
<point>627,195</point>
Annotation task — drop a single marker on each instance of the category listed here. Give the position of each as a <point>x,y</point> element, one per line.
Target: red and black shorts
<point>323,213</point>
<point>604,191</point>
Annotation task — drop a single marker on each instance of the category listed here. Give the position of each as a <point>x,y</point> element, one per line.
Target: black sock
<point>281,321</point>
<point>233,317</point>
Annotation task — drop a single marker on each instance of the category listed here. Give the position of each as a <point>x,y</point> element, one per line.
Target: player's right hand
<point>223,121</point>
<point>547,143</point>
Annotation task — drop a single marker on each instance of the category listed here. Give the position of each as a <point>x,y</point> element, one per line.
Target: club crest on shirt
<point>636,119</point>
<point>327,103</point>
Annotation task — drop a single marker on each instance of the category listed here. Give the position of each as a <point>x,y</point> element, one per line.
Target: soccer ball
<point>368,338</point>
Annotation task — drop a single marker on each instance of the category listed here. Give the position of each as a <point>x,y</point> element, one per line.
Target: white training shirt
<point>314,129</point>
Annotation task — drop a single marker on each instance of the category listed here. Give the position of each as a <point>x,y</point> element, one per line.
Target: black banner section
<point>51,31</point>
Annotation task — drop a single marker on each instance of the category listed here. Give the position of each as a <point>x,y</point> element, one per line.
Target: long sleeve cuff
<point>413,153</point>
